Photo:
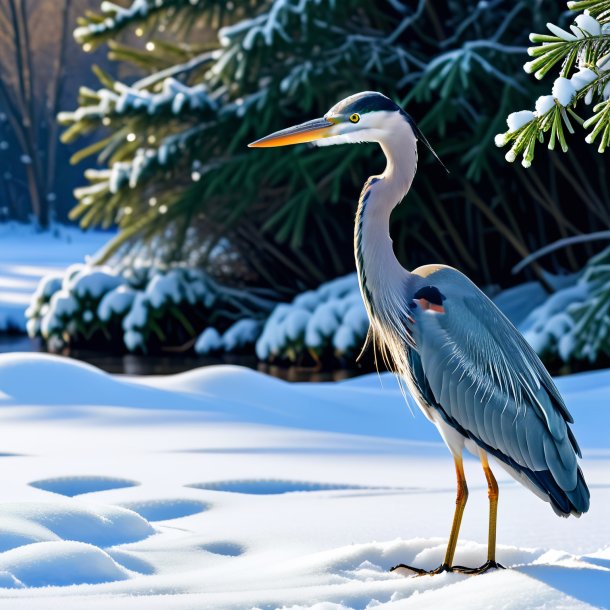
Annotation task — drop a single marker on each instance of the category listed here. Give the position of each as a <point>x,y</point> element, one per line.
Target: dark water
<point>130,364</point>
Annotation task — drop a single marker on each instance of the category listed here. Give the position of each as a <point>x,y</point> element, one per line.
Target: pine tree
<point>182,185</point>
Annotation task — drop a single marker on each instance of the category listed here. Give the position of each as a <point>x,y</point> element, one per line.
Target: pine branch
<point>97,28</point>
<point>124,103</point>
<point>588,49</point>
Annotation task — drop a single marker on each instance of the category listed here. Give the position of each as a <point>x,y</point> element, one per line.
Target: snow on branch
<point>173,98</point>
<point>97,27</point>
<point>273,23</point>
<point>584,53</point>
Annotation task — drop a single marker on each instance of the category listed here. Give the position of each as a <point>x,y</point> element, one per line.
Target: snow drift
<point>224,488</point>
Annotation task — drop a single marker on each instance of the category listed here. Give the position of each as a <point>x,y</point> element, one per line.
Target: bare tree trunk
<point>31,109</point>
<point>56,90</point>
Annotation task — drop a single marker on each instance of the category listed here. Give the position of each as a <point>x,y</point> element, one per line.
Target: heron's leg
<point>460,504</point>
<point>492,493</point>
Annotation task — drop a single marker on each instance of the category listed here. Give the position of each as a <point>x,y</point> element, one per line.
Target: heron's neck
<point>379,272</point>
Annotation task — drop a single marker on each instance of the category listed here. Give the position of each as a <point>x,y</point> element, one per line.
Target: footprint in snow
<point>270,486</point>
<point>165,509</point>
<point>228,549</point>
<point>74,486</point>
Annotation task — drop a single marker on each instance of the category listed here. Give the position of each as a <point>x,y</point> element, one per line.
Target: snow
<point>241,334</point>
<point>582,78</point>
<point>296,323</point>
<point>26,256</point>
<point>134,340</point>
<point>560,33</point>
<point>93,283</point>
<point>540,325</point>
<point>332,316</point>
<point>62,519</point>
<point>209,341</point>
<point>59,563</point>
<point>138,314</point>
<point>543,104</point>
<point>517,302</point>
<point>174,96</point>
<point>116,302</point>
<point>164,288</point>
<point>225,488</point>
<point>500,139</point>
<point>588,24</point>
<point>563,91</point>
<point>93,296</point>
<point>516,120</point>
<point>61,309</point>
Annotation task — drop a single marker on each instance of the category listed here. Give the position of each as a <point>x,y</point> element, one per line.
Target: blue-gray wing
<point>485,380</point>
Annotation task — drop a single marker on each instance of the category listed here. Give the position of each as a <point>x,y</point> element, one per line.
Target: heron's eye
<point>354,118</point>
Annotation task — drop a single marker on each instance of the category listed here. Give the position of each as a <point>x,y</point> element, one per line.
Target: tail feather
<point>564,502</point>
<point>580,496</point>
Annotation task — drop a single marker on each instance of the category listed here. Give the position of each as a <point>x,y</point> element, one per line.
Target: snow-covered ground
<point>27,255</point>
<point>223,488</point>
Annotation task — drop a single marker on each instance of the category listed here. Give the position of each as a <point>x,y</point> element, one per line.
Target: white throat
<point>379,272</point>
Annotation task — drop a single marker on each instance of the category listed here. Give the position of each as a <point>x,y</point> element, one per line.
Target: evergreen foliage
<point>584,75</point>
<point>589,338</point>
<point>322,326</point>
<point>142,309</point>
<point>574,323</point>
<point>179,174</point>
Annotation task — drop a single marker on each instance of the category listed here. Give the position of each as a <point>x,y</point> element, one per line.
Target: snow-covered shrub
<point>239,337</point>
<point>326,324</point>
<point>208,342</point>
<point>143,309</point>
<point>64,309</point>
<point>116,302</point>
<point>574,322</point>
<point>39,303</point>
<point>170,310</point>
<point>548,323</point>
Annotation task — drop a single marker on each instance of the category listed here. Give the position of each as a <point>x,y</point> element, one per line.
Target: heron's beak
<point>305,132</point>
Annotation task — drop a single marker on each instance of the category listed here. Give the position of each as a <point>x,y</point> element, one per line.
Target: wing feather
<point>490,385</point>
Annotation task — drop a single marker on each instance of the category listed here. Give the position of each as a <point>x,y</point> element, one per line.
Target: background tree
<point>182,185</point>
<point>40,69</point>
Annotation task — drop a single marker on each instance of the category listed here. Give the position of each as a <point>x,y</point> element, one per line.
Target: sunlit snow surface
<point>224,488</point>
<point>27,255</point>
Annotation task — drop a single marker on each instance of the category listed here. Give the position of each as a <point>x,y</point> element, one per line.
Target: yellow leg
<point>460,504</point>
<point>492,492</point>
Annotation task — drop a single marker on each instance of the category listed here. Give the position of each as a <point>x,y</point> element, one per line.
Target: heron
<point>467,367</point>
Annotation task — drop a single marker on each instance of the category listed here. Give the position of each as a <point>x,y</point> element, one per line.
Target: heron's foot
<point>419,572</point>
<point>488,565</point>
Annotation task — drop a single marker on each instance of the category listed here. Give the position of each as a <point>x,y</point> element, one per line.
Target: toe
<point>401,567</point>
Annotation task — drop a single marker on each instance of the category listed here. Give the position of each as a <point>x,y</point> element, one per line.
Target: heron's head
<point>364,117</point>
